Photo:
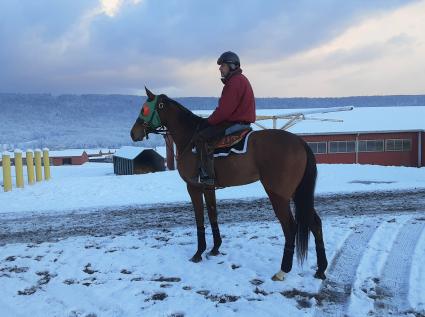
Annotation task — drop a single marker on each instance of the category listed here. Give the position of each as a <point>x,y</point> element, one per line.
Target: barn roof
<point>360,119</point>
<point>130,152</point>
<point>67,153</point>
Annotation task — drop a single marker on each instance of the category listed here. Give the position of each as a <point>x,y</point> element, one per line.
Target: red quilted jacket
<point>237,102</point>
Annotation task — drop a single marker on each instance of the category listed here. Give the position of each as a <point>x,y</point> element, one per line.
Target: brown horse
<point>282,161</point>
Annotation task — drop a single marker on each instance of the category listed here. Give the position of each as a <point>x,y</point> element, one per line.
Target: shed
<point>68,157</point>
<point>131,160</point>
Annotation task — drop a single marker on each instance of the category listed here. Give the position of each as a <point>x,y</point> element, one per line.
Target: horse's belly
<point>235,170</point>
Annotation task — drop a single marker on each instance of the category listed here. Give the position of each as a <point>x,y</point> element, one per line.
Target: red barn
<point>68,157</point>
<point>397,148</point>
<point>365,135</point>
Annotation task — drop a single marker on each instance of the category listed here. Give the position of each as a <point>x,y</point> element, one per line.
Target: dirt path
<point>53,226</point>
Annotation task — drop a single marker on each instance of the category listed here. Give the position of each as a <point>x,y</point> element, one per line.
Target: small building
<point>131,160</point>
<point>68,157</point>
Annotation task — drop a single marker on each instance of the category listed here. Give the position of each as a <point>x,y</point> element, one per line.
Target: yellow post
<point>18,169</point>
<point>7,176</point>
<point>30,167</point>
<point>46,164</point>
<point>38,176</point>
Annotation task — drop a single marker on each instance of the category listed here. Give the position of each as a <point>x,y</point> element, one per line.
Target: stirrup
<point>206,181</point>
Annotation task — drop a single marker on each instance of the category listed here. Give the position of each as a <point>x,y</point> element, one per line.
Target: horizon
<point>144,95</point>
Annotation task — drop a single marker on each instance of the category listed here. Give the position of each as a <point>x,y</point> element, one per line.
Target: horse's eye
<point>145,110</point>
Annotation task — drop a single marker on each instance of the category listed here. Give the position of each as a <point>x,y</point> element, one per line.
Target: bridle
<point>150,120</point>
<point>154,125</point>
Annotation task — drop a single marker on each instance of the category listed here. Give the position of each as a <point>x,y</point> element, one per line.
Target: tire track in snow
<point>334,294</point>
<point>393,286</point>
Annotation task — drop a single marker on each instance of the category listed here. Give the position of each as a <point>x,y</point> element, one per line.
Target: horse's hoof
<point>196,258</point>
<point>279,276</point>
<point>320,275</point>
<point>214,252</point>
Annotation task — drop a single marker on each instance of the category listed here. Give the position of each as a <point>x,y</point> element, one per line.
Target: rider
<point>235,111</point>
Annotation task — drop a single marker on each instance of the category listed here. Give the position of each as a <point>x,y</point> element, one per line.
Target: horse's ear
<point>150,95</point>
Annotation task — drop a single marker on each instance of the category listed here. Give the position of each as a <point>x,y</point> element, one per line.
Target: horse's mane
<point>186,114</point>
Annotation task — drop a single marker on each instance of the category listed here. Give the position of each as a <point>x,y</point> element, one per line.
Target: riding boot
<point>206,171</point>
<point>209,180</point>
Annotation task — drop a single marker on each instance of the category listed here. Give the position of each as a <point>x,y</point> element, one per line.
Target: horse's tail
<point>304,204</point>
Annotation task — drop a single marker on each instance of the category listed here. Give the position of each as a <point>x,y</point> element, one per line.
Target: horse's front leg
<point>212,215</point>
<point>198,206</point>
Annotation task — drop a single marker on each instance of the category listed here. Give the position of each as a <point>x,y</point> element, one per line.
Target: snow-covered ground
<point>147,273</point>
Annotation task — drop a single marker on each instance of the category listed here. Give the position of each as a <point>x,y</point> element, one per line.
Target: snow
<point>372,263</point>
<point>94,185</point>
<point>417,276</point>
<point>361,119</point>
<point>67,153</point>
<point>121,275</point>
<point>129,152</point>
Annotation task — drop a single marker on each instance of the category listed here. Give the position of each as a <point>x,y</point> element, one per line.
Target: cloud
<point>380,55</point>
<point>116,46</point>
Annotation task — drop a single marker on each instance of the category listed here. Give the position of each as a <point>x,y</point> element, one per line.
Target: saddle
<point>232,143</point>
<point>230,140</point>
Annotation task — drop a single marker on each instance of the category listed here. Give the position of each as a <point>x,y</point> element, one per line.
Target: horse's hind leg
<point>322,262</point>
<point>282,210</point>
<point>212,215</point>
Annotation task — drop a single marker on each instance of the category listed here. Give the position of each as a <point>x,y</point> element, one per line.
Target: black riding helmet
<point>230,59</point>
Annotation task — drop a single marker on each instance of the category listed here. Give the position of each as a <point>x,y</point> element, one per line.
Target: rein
<point>188,145</point>
<point>152,121</point>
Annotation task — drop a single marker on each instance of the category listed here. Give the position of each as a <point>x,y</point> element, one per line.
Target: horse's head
<point>149,119</point>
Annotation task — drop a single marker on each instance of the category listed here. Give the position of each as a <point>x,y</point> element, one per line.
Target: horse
<point>280,160</point>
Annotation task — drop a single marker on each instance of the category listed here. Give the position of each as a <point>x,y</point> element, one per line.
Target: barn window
<point>398,145</point>
<point>317,147</point>
<point>342,146</point>
<point>371,146</point>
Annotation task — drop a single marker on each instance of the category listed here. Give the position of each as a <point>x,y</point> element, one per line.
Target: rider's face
<point>224,70</point>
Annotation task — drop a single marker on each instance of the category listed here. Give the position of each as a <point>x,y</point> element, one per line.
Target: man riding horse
<point>235,111</point>
<point>282,161</point>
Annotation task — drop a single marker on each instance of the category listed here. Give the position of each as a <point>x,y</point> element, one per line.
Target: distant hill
<point>88,121</point>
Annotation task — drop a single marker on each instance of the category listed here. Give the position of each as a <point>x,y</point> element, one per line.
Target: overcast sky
<point>287,48</point>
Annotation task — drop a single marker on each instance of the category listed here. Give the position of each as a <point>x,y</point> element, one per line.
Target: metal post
<point>419,148</point>
<point>46,163</point>
<point>38,172</point>
<point>18,169</point>
<point>30,166</point>
<point>7,175</point>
